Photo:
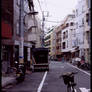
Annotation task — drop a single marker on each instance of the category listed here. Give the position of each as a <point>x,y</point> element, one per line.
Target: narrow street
<point>51,35</point>
<point>51,82</point>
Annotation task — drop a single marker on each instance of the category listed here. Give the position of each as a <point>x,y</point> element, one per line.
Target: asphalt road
<point>50,81</point>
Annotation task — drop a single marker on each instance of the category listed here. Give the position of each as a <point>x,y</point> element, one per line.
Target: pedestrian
<point>82,60</point>
<point>62,59</point>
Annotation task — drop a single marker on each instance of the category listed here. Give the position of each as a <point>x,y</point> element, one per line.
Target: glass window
<point>63,35</point>
<point>63,44</point>
<point>76,12</point>
<point>17,27</point>
<point>76,25</point>
<point>67,25</point>
<point>66,33</point>
<point>67,44</point>
<point>83,21</point>
<point>71,24</point>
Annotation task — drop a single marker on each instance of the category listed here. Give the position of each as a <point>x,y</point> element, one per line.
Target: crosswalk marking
<point>84,90</point>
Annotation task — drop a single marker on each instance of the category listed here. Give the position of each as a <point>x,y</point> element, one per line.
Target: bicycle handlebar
<point>68,74</point>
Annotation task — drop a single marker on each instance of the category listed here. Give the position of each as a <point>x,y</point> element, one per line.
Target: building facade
<point>11,33</point>
<point>48,41</point>
<point>7,34</point>
<point>68,37</point>
<point>58,42</point>
<point>83,28</point>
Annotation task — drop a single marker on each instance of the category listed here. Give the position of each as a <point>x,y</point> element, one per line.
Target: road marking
<point>41,84</point>
<point>79,69</point>
<point>84,90</point>
<point>75,90</point>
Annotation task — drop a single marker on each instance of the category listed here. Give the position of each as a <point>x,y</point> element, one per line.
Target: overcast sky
<point>58,9</point>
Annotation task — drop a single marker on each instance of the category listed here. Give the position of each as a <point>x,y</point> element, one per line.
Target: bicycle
<point>85,66</point>
<point>68,79</point>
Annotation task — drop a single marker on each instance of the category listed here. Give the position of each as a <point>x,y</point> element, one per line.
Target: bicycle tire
<point>69,89</point>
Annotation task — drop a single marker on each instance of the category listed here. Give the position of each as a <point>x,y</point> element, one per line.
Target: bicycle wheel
<point>68,88</point>
<point>73,90</point>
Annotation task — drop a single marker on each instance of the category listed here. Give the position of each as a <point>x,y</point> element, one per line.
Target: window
<point>63,35</point>
<point>88,3</point>
<point>71,24</point>
<point>83,21</point>
<point>83,9</point>
<point>76,25</point>
<point>17,28</point>
<point>66,33</point>
<point>87,18</point>
<point>57,47</point>
<point>76,12</point>
<point>67,44</point>
<point>63,45</point>
<point>67,25</point>
<point>88,36</point>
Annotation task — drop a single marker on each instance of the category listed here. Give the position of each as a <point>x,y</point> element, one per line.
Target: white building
<point>82,28</point>
<point>48,40</point>
<point>33,28</point>
<point>68,36</point>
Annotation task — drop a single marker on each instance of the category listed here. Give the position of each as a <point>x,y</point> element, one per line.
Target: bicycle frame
<point>70,87</point>
<point>69,81</point>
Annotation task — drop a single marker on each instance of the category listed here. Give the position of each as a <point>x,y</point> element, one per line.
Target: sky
<point>58,10</point>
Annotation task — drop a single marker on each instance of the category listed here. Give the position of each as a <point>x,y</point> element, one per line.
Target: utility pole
<point>42,36</point>
<point>21,29</point>
<point>89,1</point>
<point>43,20</point>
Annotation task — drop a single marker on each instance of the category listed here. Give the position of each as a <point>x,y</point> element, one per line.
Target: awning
<point>74,49</point>
<point>65,51</point>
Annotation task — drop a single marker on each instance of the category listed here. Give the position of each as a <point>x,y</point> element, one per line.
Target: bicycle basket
<point>67,79</point>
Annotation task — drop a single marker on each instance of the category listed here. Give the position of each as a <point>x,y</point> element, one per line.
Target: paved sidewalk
<point>8,80</point>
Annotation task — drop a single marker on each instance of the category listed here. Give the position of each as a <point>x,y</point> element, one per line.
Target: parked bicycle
<point>69,81</point>
<point>85,66</point>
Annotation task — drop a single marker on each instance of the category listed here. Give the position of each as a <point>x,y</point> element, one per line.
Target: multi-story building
<point>82,28</point>
<point>11,32</point>
<point>68,36</point>
<point>87,32</point>
<point>57,31</point>
<point>53,45</point>
<point>48,41</point>
<point>7,34</point>
<point>32,29</point>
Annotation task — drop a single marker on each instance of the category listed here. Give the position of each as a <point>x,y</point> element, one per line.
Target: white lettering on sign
<point>84,90</point>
